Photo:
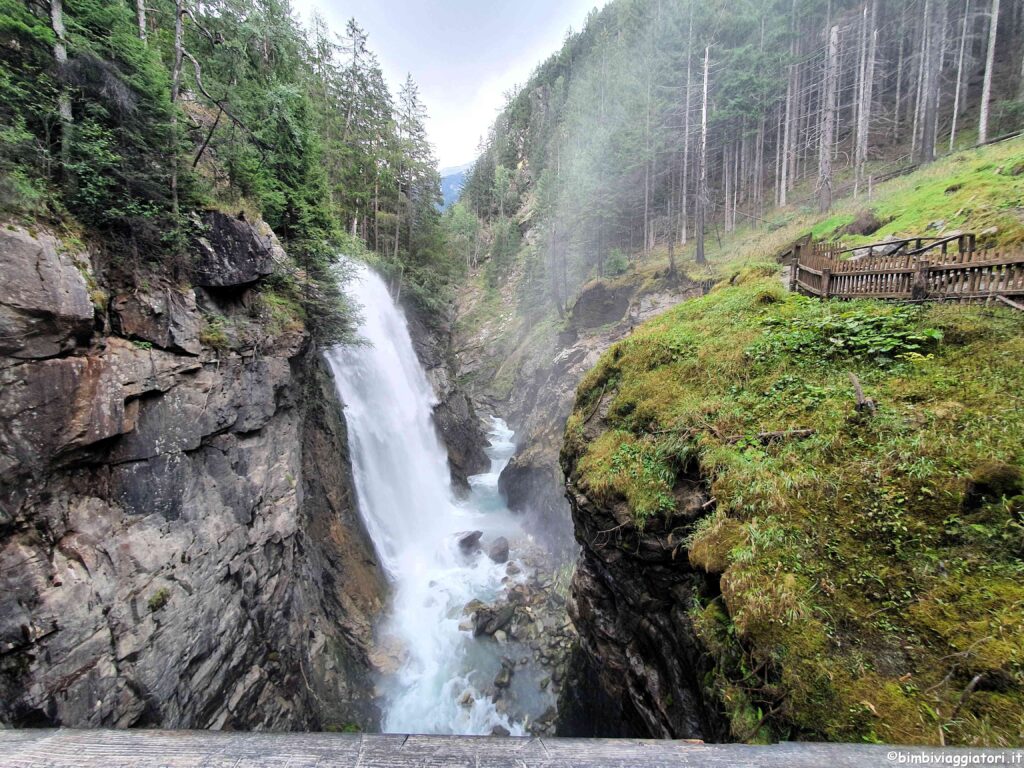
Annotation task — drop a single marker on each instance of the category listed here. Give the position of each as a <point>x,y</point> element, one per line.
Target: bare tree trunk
<point>787,138</point>
<point>919,86</point>
<point>986,88</point>
<point>140,16</point>
<point>959,74</point>
<point>859,100</point>
<point>179,12</point>
<point>60,56</point>
<point>672,273</point>
<point>866,96</point>
<point>899,87</point>
<point>778,157</point>
<point>828,125</point>
<point>726,167</point>
<point>686,135</point>
<point>647,174</point>
<point>702,188</point>
<point>933,65</point>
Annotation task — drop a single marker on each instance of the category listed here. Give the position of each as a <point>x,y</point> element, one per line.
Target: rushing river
<point>441,676</point>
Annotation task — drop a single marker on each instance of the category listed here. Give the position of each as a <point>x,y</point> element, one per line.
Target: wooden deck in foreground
<point>216,749</point>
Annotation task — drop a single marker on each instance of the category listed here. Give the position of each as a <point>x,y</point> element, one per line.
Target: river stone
<point>488,620</point>
<point>472,607</point>
<point>501,637</point>
<point>500,730</point>
<point>504,677</point>
<point>499,550</point>
<point>469,542</point>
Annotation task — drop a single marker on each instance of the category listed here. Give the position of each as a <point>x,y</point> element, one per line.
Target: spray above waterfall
<point>444,677</point>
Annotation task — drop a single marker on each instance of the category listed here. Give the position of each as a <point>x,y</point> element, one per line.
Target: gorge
<point>596,440</point>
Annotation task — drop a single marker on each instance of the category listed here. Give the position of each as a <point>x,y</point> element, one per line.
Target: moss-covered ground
<point>872,570</point>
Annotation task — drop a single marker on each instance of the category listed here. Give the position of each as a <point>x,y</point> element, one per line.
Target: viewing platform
<point>64,748</point>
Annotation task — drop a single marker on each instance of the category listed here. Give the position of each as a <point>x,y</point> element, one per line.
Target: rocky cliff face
<point>179,544</point>
<point>629,602</point>
<point>546,375</point>
<point>455,416</point>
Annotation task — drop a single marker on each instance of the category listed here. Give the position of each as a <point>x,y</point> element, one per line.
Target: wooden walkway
<point>218,749</point>
<point>919,269</point>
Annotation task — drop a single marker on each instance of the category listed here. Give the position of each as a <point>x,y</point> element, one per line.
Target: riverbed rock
<point>469,542</point>
<point>498,551</point>
<point>500,730</point>
<point>504,677</point>
<point>489,619</point>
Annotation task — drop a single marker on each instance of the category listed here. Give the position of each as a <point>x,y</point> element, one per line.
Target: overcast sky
<point>464,54</point>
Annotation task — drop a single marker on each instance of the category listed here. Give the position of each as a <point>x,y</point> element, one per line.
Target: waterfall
<point>440,672</point>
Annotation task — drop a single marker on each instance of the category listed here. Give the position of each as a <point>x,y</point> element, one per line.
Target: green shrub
<point>159,599</point>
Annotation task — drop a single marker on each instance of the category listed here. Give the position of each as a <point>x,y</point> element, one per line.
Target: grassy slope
<point>863,587</point>
<point>972,191</point>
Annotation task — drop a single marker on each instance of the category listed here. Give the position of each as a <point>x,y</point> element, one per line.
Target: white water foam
<point>409,509</point>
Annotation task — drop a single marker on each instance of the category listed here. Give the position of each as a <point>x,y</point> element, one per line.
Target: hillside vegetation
<point>121,121</point>
<point>864,568</point>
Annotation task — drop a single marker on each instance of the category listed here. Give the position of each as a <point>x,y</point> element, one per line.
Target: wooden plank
<point>1010,303</point>
<point>219,749</point>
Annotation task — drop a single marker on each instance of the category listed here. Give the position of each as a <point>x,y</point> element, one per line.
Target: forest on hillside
<point>124,118</point>
<point>665,124</point>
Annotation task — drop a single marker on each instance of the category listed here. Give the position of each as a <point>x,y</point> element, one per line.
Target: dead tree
<point>828,123</point>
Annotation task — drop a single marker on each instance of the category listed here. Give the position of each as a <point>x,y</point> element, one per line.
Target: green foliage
<point>617,263</point>
<point>868,571</point>
<point>504,246</point>
<point>214,334</point>
<point>158,599</point>
<point>284,124</point>
<point>814,330</point>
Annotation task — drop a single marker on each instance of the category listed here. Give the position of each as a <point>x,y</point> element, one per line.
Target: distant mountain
<point>452,180</point>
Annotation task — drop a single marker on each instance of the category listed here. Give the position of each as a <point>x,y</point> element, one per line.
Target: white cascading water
<point>407,504</point>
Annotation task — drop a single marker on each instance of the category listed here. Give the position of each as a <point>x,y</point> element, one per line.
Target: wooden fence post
<point>919,289</point>
<point>826,278</point>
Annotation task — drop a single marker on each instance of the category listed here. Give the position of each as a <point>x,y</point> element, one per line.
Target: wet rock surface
<point>179,545</point>
<point>529,625</point>
<point>630,599</point>
<point>543,371</point>
<point>455,415</point>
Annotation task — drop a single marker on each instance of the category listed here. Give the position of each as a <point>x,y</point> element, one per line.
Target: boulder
<point>498,551</point>
<point>500,730</point>
<point>504,677</point>
<point>44,299</point>
<point>489,619</point>
<point>232,252</point>
<point>469,542</point>
<point>166,318</point>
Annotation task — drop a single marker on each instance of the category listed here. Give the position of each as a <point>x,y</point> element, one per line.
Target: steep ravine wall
<point>179,544</point>
<point>542,365</point>
<point>455,415</point>
<point>629,598</point>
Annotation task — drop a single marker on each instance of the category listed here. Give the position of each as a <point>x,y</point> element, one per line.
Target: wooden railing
<point>918,276</point>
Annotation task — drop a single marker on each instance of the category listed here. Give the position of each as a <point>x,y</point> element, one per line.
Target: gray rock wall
<point>455,416</point>
<point>178,538</point>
